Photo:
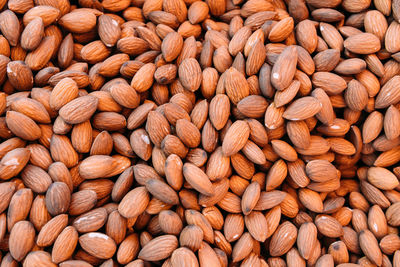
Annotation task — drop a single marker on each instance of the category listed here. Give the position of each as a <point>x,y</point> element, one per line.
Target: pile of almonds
<point>184,133</point>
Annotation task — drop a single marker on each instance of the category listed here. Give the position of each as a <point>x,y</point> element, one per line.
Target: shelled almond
<point>200,133</point>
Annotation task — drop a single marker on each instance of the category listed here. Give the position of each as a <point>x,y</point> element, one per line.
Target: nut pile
<point>200,133</point>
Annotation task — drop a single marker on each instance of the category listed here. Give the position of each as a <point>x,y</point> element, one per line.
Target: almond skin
<point>90,243</point>
<point>22,230</point>
<point>31,108</point>
<point>284,68</point>
<point>139,196</point>
<point>32,34</point>
<point>363,43</point>
<point>382,178</point>
<point>22,126</point>
<point>387,95</point>
<point>285,233</point>
<point>235,138</point>
<point>109,30</point>
<point>73,113</point>
<point>236,85</point>
<point>320,170</point>
<point>159,248</point>
<point>9,26</point>
<point>39,57</point>
<point>197,179</point>
<point>302,108</point>
<point>57,224</point>
<point>65,244</point>
<point>190,74</point>
<point>65,91</point>
<point>58,198</point>
<point>80,21</point>
<point>171,46</point>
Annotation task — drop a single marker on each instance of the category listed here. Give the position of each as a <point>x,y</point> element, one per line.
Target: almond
<point>36,178</point>
<point>10,27</point>
<point>306,35</point>
<point>47,13</point>
<point>171,46</point>
<point>235,138</point>
<point>363,43</point>
<point>58,198</point>
<point>22,126</point>
<point>382,178</point>
<point>253,106</point>
<point>284,68</point>
<point>283,239</point>
<point>7,190</point>
<point>369,245</point>
<point>143,78</point>
<point>73,113</point>
<point>372,126</point>
<point>331,83</point>
<point>64,244</point>
<point>356,96</point>
<point>197,179</point>
<point>90,242</point>
<point>32,34</point>
<point>19,207</point>
<point>190,74</point>
<point>328,226</point>
<point>109,30</point>
<point>243,247</point>
<point>159,248</point>
<point>139,197</point>
<point>90,221</point>
<point>320,170</point>
<point>388,95</point>
<point>281,30</point>
<point>51,230</point>
<point>39,57</point>
<point>95,52</point>
<point>62,150</point>
<point>31,108</point>
<point>184,256</point>
<point>236,85</point>
<point>238,40</point>
<point>392,129</point>
<point>307,236</point>
<point>22,231</point>
<point>79,21</point>
<point>188,133</point>
<point>302,108</point>
<point>39,258</point>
